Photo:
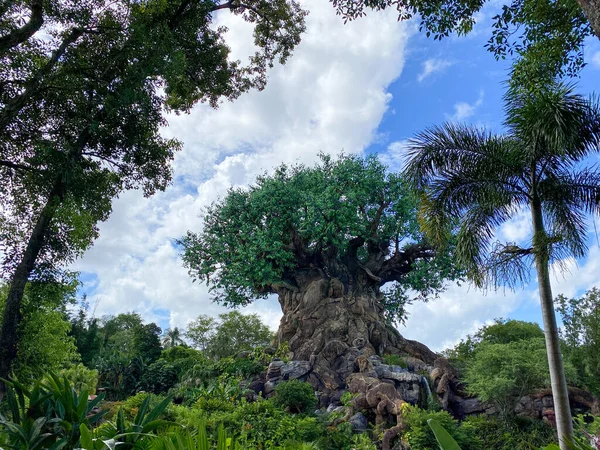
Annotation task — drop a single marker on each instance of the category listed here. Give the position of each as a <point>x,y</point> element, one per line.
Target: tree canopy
<point>347,218</point>
<point>546,36</point>
<point>83,86</point>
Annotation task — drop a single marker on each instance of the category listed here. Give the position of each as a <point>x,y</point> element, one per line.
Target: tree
<point>82,89</point>
<point>200,331</point>
<point>172,337</point>
<point>327,240</point>
<point>44,344</point>
<point>502,362</point>
<point>547,36</point>
<point>474,181</point>
<point>237,332</point>
<point>581,332</point>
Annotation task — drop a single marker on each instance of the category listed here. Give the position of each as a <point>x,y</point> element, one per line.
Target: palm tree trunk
<point>12,311</point>
<point>560,393</point>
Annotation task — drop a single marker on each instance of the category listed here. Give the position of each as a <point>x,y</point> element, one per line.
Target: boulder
<point>358,422</point>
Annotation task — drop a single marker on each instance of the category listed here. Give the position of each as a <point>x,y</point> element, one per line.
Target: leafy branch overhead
<point>346,218</point>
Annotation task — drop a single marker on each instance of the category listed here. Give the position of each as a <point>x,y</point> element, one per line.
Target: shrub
<point>420,436</point>
<point>295,396</point>
<point>81,378</point>
<point>395,360</point>
<point>517,434</point>
<point>160,376</point>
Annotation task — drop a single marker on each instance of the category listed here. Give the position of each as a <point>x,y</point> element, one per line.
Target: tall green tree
<point>200,330</point>
<point>474,181</point>
<point>581,332</point>
<point>236,332</point>
<point>83,86</point>
<point>340,246</point>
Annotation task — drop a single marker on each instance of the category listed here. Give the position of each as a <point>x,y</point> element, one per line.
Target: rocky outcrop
<point>540,404</point>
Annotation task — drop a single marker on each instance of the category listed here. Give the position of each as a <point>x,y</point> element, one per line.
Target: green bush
<point>159,377</point>
<point>420,436</point>
<point>81,378</point>
<point>295,396</point>
<point>239,367</point>
<point>261,424</point>
<point>395,360</point>
<point>517,434</point>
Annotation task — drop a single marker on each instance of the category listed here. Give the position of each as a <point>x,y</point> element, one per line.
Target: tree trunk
<point>560,393</point>
<point>324,324</point>
<point>12,311</point>
<point>591,9</point>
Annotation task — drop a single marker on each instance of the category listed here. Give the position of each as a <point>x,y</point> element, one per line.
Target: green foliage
<point>200,331</point>
<point>420,435</point>
<point>236,332</point>
<point>395,360</point>
<point>43,333</point>
<point>545,37</point>
<point>445,441</point>
<point>515,434</point>
<point>340,216</point>
<point>295,396</point>
<point>581,332</point>
<point>160,376</point>
<point>503,373</point>
<point>47,416</point>
<point>81,378</point>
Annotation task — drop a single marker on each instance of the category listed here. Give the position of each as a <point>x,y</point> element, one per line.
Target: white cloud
<point>327,98</point>
<point>395,155</point>
<point>596,60</point>
<point>431,66</point>
<point>464,110</point>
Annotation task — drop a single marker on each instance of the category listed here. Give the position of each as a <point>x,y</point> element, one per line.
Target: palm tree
<point>472,181</point>
<point>172,337</point>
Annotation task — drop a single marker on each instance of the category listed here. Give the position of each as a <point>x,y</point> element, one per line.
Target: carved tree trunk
<point>331,324</point>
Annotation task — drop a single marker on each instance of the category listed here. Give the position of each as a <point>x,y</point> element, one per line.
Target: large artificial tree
<point>474,181</point>
<point>338,244</point>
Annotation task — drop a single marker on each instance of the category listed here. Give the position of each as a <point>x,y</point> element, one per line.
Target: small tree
<point>475,181</point>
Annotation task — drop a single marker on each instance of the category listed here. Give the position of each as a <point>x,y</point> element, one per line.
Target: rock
<point>547,402</point>
<point>415,364</point>
<point>358,422</point>
<point>339,409</point>
<point>257,386</point>
<point>375,360</point>
<point>243,354</point>
<point>270,350</point>
<point>470,406</point>
<point>269,387</point>
<point>295,369</point>
<point>274,369</point>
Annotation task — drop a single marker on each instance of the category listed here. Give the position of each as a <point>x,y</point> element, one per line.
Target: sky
<point>362,87</point>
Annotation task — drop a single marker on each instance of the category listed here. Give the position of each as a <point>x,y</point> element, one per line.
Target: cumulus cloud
<point>464,110</point>
<point>327,98</point>
<point>431,66</point>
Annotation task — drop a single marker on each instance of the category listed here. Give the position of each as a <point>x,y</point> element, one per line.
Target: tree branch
<point>20,35</point>
<point>401,262</point>
<point>16,166</point>
<point>14,106</point>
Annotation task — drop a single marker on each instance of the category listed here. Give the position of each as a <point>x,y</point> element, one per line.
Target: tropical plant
<point>172,337</point>
<point>49,415</point>
<point>295,396</point>
<point>474,181</point>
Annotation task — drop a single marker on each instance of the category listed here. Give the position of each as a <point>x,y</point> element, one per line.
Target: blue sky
<point>364,87</point>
